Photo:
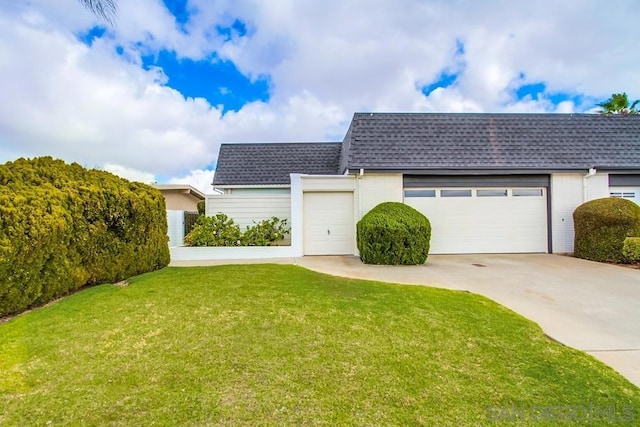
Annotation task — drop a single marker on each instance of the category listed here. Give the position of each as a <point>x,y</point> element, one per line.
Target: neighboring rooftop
<point>480,141</point>
<point>181,188</point>
<point>271,163</point>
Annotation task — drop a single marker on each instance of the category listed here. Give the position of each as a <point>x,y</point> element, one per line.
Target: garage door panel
<point>328,223</point>
<point>501,224</point>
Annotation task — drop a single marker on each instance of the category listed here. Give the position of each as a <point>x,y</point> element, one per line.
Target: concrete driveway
<point>586,305</point>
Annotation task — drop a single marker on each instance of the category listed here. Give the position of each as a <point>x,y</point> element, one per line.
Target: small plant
<point>201,207</point>
<point>631,249</point>
<point>217,230</point>
<point>265,233</point>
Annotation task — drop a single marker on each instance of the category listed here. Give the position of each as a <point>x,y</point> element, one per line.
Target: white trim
<point>297,220</point>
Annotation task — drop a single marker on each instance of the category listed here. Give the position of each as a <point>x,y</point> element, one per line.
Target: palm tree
<point>619,104</point>
<point>106,9</point>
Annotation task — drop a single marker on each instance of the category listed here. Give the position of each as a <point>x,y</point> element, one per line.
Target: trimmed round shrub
<point>393,234</point>
<point>601,227</point>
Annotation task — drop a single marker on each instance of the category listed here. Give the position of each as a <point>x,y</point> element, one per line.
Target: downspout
<point>359,197</point>
<point>592,172</point>
<point>358,178</point>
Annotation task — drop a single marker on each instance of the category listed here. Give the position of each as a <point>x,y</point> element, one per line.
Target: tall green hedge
<point>393,233</point>
<point>601,227</point>
<point>63,226</point>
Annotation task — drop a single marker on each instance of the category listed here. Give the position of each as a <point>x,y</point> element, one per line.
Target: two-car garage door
<point>483,220</point>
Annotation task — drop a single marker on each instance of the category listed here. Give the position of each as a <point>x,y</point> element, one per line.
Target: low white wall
<point>185,253</point>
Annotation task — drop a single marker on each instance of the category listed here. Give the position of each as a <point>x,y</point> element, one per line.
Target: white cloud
<point>129,173</point>
<point>198,178</point>
<point>325,60</point>
<point>89,105</point>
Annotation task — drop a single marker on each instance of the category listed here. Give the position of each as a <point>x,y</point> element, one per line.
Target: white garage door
<point>629,193</point>
<point>328,223</point>
<point>483,220</point>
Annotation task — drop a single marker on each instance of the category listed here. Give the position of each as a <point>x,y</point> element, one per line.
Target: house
<point>180,197</point>
<point>489,183</point>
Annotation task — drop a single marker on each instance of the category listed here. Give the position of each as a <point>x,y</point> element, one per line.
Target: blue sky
<point>152,96</point>
<point>218,81</point>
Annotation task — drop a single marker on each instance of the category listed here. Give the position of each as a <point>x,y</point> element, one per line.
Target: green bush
<point>265,233</point>
<point>393,233</point>
<point>602,225</point>
<point>631,249</point>
<point>220,230</point>
<point>63,227</point>
<point>217,230</point>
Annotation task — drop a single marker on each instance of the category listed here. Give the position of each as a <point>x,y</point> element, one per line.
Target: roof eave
<point>223,186</point>
<point>485,171</point>
<point>186,189</point>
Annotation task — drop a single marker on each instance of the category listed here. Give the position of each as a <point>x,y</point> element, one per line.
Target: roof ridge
<point>281,143</point>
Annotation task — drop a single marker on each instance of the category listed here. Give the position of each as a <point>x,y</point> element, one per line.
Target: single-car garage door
<point>483,220</point>
<point>328,223</point>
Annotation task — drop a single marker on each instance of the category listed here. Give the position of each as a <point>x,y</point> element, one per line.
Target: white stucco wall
<point>328,183</point>
<point>598,186</point>
<point>373,189</point>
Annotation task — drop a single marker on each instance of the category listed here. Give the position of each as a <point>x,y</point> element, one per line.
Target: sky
<point>152,96</point>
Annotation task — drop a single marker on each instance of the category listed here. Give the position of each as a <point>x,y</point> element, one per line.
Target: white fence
<point>246,209</point>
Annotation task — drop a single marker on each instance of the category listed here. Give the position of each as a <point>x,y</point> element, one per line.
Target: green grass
<point>274,345</point>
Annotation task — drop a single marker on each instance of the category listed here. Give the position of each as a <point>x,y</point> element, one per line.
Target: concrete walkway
<point>586,305</point>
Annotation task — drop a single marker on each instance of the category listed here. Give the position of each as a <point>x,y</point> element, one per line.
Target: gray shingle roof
<point>271,163</point>
<point>446,141</point>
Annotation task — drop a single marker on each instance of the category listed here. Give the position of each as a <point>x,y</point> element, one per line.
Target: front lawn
<point>275,345</point>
